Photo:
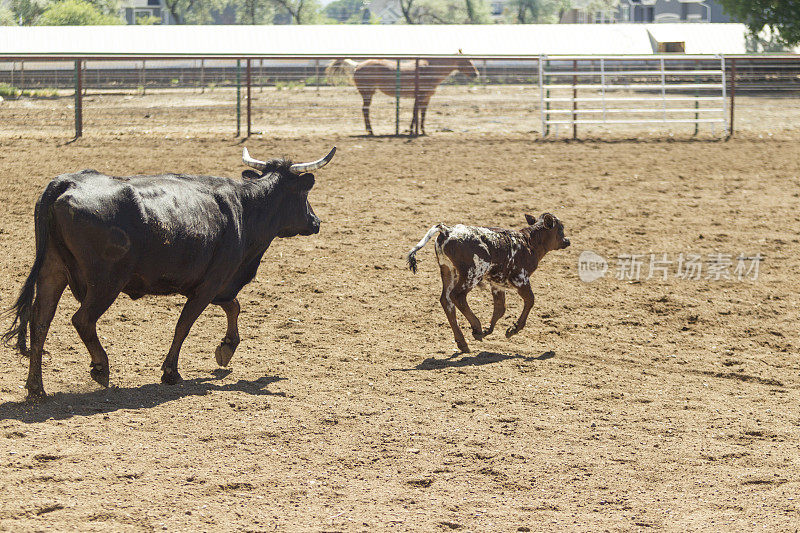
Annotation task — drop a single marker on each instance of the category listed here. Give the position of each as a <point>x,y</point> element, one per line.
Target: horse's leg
<point>413,130</point>
<point>367,97</point>
<point>423,107</point>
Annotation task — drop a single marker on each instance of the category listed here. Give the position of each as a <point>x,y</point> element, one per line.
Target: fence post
<point>397,99</point>
<point>574,99</point>
<point>78,99</point>
<point>238,97</point>
<point>733,94</point>
<point>415,121</point>
<point>248,99</point>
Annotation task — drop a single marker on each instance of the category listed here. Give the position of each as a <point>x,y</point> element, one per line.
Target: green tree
<point>780,17</point>
<point>26,11</point>
<point>535,11</point>
<point>301,11</point>
<point>7,17</point>
<point>191,11</point>
<point>345,10</point>
<point>75,13</point>
<point>253,11</point>
<point>445,11</point>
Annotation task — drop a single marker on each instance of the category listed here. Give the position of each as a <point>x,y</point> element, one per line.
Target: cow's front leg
<point>527,297</point>
<point>191,310</point>
<point>499,300</point>
<point>228,345</point>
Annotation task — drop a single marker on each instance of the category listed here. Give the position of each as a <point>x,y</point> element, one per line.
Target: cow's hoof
<point>224,353</point>
<point>513,330</point>
<point>171,377</point>
<point>100,374</point>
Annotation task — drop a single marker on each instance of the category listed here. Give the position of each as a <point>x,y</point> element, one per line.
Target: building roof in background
<point>369,40</point>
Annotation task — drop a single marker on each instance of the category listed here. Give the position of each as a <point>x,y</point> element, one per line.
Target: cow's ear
<point>530,219</point>
<point>250,175</point>
<point>549,221</point>
<point>303,182</point>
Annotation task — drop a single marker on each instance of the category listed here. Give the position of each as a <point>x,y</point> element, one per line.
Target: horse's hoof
<point>100,375</point>
<point>171,378</point>
<point>224,353</point>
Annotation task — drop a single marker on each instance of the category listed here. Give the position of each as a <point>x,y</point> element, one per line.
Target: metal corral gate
<point>632,90</point>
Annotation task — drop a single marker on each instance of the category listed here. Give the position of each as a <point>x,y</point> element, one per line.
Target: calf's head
<point>550,231</point>
<point>295,216</point>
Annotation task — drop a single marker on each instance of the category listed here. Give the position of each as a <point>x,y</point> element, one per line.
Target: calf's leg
<point>461,302</point>
<point>446,299</point>
<point>367,100</point>
<point>231,341</point>
<point>499,300</point>
<point>527,297</point>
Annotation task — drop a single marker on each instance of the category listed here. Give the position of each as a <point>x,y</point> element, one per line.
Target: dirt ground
<point>624,405</point>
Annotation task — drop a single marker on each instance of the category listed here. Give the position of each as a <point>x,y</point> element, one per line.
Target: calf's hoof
<point>463,347</point>
<point>488,332</point>
<point>100,373</point>
<point>171,377</point>
<point>477,334</point>
<point>224,353</point>
<point>512,330</point>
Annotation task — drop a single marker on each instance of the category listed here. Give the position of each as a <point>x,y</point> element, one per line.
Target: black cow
<point>199,236</point>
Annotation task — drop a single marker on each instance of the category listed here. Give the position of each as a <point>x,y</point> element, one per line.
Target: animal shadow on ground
<point>482,358</point>
<point>64,405</point>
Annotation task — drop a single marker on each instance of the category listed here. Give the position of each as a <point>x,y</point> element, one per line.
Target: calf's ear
<point>530,219</point>
<point>549,221</point>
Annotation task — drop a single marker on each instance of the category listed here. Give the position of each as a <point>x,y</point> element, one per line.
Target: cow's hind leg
<point>191,310</point>
<point>499,300</point>
<point>100,294</point>
<point>460,299</point>
<point>527,297</point>
<point>49,287</point>
<point>231,341</point>
<point>446,299</point>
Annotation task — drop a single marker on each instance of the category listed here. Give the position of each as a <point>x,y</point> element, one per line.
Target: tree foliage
<point>75,13</point>
<point>535,11</point>
<point>349,11</point>
<point>780,17</point>
<point>7,17</point>
<point>445,11</point>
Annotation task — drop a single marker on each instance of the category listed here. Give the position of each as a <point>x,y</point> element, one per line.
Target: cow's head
<point>551,230</point>
<point>296,180</point>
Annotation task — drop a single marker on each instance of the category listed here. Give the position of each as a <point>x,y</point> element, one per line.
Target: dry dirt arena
<point>624,405</point>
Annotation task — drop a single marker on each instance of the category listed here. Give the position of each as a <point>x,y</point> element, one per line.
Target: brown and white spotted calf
<point>505,258</point>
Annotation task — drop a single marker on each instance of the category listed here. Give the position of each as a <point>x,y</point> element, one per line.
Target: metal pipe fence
<point>631,96</point>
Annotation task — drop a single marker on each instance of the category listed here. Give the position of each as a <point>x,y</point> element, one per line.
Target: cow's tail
<point>21,310</point>
<point>341,67</point>
<point>412,255</point>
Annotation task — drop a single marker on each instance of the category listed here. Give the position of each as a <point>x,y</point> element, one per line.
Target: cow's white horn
<point>250,162</point>
<point>299,168</point>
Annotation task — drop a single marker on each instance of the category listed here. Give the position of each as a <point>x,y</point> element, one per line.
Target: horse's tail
<point>412,255</point>
<point>341,67</point>
<point>21,310</point>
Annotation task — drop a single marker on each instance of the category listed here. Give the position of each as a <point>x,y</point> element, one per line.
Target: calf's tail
<point>21,310</point>
<point>412,255</point>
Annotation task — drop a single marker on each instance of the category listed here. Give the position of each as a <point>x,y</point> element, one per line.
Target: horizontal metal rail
<point>629,73</point>
<point>639,110</point>
<point>638,99</point>
<point>642,121</point>
<point>659,86</point>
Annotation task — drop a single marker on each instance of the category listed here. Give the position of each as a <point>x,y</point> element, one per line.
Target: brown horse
<point>381,74</point>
